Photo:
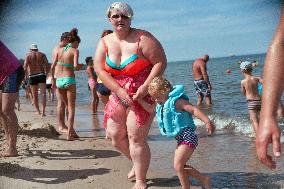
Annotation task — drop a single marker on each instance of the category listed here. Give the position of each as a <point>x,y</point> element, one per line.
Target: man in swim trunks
<point>202,84</point>
<point>36,68</point>
<point>249,87</point>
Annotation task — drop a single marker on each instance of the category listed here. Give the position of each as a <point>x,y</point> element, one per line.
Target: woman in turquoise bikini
<point>66,62</point>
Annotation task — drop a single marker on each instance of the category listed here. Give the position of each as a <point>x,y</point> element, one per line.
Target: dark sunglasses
<point>122,16</point>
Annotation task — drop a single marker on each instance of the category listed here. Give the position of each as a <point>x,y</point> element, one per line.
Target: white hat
<point>246,65</point>
<point>33,47</point>
<point>124,8</point>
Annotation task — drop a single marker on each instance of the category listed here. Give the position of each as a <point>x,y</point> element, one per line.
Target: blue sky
<point>187,29</point>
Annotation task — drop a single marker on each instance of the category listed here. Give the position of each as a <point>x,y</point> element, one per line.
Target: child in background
<point>172,104</point>
<point>250,89</point>
<point>92,81</point>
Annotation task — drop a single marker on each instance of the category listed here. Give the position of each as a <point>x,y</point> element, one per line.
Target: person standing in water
<point>249,87</point>
<point>202,84</point>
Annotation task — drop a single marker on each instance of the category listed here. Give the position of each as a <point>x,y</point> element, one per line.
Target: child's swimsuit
<point>132,73</point>
<point>65,82</point>
<point>93,81</point>
<point>173,123</point>
<point>201,88</point>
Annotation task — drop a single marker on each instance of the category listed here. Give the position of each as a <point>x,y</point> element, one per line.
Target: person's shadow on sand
<point>240,180</point>
<point>47,176</point>
<point>73,154</point>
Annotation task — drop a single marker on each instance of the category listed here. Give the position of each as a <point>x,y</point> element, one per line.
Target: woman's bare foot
<point>63,130</point>
<point>140,184</point>
<point>11,152</point>
<point>131,174</point>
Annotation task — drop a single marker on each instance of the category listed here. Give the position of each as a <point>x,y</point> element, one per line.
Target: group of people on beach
<point>130,62</point>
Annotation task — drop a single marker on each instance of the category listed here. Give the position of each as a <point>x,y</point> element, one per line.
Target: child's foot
<point>206,182</point>
<point>131,174</point>
<point>140,185</point>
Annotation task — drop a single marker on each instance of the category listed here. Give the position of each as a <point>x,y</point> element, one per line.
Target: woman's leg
<point>9,121</point>
<point>61,104</point>
<point>139,149</point>
<point>71,99</point>
<point>117,132</point>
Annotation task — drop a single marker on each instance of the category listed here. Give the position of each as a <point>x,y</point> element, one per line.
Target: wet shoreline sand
<point>47,160</point>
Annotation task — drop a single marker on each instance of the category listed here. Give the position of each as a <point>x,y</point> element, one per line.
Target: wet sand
<point>47,160</point>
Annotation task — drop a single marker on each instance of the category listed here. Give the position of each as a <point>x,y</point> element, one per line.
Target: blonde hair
<point>124,8</point>
<point>159,85</point>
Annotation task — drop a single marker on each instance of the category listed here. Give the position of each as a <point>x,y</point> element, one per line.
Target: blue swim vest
<point>171,121</point>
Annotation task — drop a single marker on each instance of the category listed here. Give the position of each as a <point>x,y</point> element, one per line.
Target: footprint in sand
<point>40,163</point>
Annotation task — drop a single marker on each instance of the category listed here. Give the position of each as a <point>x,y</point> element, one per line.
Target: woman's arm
<point>53,65</point>
<point>154,52</point>
<point>77,66</point>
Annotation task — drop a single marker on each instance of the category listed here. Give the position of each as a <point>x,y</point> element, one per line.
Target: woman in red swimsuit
<point>133,57</point>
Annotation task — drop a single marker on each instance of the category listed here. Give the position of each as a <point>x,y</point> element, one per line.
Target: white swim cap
<point>124,8</point>
<point>246,65</point>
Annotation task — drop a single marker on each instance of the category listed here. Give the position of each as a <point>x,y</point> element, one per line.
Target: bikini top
<point>131,66</point>
<point>69,65</point>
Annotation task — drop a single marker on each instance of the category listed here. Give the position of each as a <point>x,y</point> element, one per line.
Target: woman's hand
<point>124,97</point>
<point>141,92</point>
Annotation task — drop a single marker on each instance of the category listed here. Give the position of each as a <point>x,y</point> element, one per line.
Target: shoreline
<point>47,160</point>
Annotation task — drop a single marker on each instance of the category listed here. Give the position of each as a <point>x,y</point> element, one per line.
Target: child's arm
<point>148,107</point>
<point>183,105</point>
<point>243,88</point>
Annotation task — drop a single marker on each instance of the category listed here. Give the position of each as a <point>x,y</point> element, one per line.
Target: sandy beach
<point>47,160</point>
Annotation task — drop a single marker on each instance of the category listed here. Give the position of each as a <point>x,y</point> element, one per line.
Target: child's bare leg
<point>253,114</point>
<point>182,155</point>
<point>205,180</point>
